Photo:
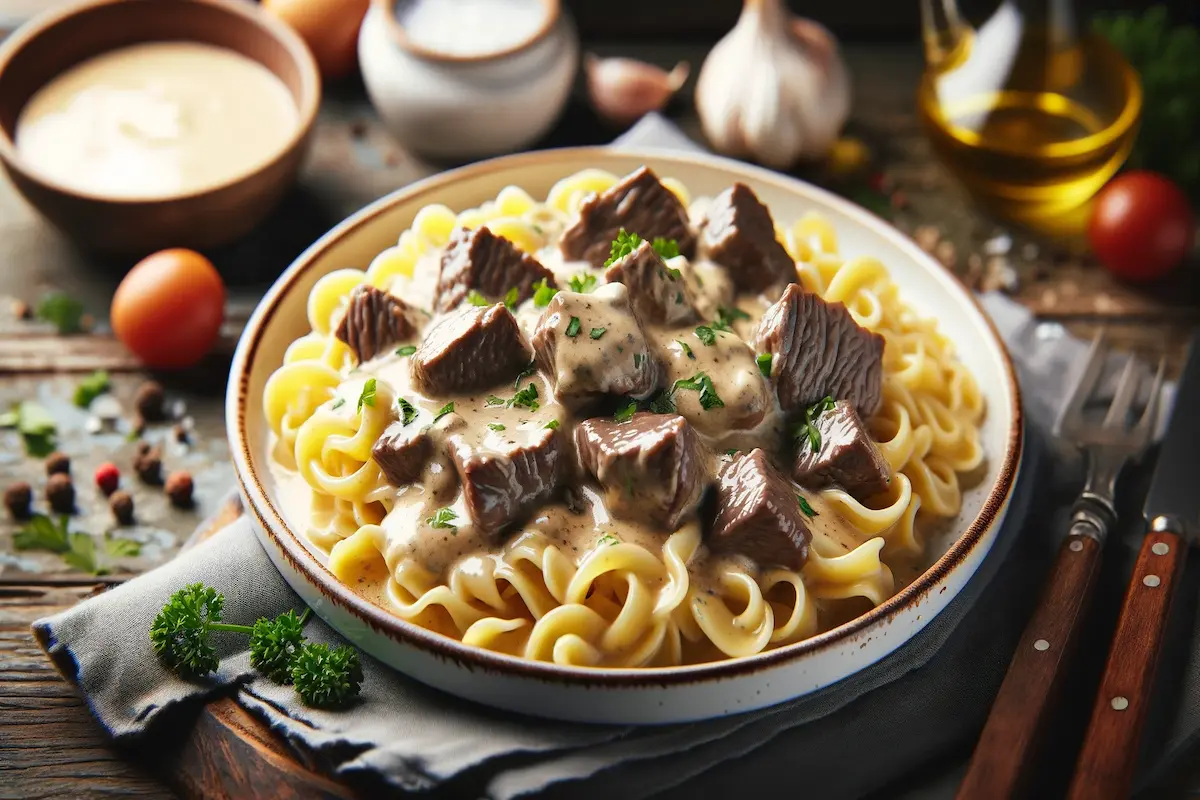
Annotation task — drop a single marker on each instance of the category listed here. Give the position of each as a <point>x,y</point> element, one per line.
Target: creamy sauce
<point>156,120</point>
<point>471,27</point>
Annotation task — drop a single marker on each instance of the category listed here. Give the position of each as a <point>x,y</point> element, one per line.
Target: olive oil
<point>1029,117</point>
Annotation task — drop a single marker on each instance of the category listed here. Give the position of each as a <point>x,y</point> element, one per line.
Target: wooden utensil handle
<point>999,766</point>
<point>1110,747</point>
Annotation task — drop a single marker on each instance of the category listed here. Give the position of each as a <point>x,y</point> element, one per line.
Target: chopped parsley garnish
<point>476,299</point>
<point>662,403</point>
<point>705,334</point>
<point>573,327</point>
<point>608,540</point>
<point>511,297</point>
<point>687,349</point>
<point>731,452</point>
<point>496,426</point>
<point>543,294</point>
<point>807,430</point>
<point>444,410</point>
<point>90,388</point>
<point>666,248</point>
<point>492,400</point>
<point>638,358</point>
<point>805,507</point>
<point>64,311</point>
<point>443,518</point>
<point>552,425</point>
<point>406,350</point>
<point>726,316</point>
<point>367,398</point>
<point>526,398</point>
<point>408,412</point>
<point>700,382</point>
<point>530,368</point>
<point>675,275</point>
<point>626,412</point>
<point>626,243</point>
<point>341,401</point>
<point>596,333</point>
<point>582,283</point>
<point>764,364</point>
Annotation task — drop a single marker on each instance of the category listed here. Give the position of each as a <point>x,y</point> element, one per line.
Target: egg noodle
<point>632,603</point>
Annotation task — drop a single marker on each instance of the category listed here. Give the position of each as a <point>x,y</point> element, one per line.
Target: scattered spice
<point>18,499</point>
<point>899,200</point>
<point>57,463</point>
<point>179,488</point>
<point>147,463</point>
<point>121,504</point>
<point>60,493</point>
<point>180,432</point>
<point>22,310</point>
<point>358,129</point>
<point>108,477</point>
<point>149,402</point>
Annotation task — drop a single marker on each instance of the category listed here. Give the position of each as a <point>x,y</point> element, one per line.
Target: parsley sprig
<point>626,243</point>
<point>582,283</point>
<point>807,431</point>
<point>702,383</point>
<point>77,549</point>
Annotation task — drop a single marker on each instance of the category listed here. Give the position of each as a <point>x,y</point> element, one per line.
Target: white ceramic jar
<point>468,90</point>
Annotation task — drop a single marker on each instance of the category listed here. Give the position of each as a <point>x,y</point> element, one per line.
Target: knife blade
<point>1174,489</point>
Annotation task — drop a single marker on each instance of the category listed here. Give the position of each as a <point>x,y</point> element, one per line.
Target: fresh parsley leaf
<point>608,540</point>
<point>662,403</point>
<point>367,398</point>
<point>596,333</point>
<point>573,327</point>
<point>552,425</point>
<point>731,452</point>
<point>91,387</point>
<point>582,283</point>
<point>492,400</point>
<point>530,368</point>
<point>408,412</point>
<point>443,518</point>
<point>9,419</point>
<point>37,428</point>
<point>687,349</point>
<point>543,294</point>
<point>807,431</point>
<point>122,548</point>
<point>476,299</point>
<point>623,245</point>
<point>626,412</point>
<point>700,382</point>
<point>638,358</point>
<point>62,310</point>
<point>406,350</point>
<point>805,507</point>
<point>82,554</point>
<point>41,533</point>
<point>726,317</point>
<point>496,426</point>
<point>526,398</point>
<point>510,298</point>
<point>338,403</point>
<point>444,410</point>
<point>706,336</point>
<point>666,248</point>
<point>764,364</point>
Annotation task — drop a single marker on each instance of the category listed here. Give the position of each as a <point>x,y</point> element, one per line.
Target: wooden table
<point>49,745</point>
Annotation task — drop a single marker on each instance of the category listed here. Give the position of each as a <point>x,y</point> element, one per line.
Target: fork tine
<point>1118,410</point>
<point>1073,408</point>
<point>1146,425</point>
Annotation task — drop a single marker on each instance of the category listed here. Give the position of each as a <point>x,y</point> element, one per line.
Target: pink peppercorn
<point>108,477</point>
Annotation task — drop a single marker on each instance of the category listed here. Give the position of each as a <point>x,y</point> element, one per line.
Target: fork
<point>1000,765</point>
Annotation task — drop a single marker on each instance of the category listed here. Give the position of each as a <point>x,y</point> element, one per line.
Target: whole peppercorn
<point>108,477</point>
<point>17,499</point>
<point>149,402</point>
<point>22,310</point>
<point>180,432</point>
<point>57,463</point>
<point>60,493</point>
<point>148,464</point>
<point>179,488</point>
<point>121,504</point>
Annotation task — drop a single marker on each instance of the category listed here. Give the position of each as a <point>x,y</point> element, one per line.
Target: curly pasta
<point>643,599</point>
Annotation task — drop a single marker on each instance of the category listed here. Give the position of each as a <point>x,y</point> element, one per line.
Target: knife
<point>1172,513</point>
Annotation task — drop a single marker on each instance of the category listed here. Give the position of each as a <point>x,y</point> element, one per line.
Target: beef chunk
<point>847,456</point>
<point>658,293</point>
<point>501,486</point>
<point>402,452</point>
<point>469,349</point>
<point>820,351</point>
<point>608,354</point>
<point>638,204</point>
<point>651,467</point>
<point>758,514</point>
<point>492,265</point>
<point>374,322</point>
<point>738,234</point>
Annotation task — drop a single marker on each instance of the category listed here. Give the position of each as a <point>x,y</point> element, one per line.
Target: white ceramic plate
<point>631,696</point>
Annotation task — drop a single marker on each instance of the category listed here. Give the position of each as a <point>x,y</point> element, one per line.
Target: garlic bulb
<point>622,90</point>
<point>774,89</point>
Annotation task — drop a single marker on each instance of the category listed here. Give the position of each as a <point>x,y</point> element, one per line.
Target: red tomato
<point>168,309</point>
<point>1142,226</point>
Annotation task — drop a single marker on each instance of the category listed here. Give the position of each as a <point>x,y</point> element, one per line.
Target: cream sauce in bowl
<point>156,120</point>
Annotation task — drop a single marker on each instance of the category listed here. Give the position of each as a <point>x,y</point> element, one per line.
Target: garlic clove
<point>622,90</point>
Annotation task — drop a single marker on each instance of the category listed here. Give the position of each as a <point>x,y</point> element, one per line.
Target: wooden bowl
<point>58,40</point>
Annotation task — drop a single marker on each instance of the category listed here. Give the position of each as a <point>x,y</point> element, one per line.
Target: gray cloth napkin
<point>889,723</point>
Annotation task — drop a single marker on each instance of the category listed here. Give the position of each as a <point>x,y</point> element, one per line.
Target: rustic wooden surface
<point>49,746</point>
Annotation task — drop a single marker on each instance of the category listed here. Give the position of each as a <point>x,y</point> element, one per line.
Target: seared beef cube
<point>591,345</point>
<point>651,467</point>
<point>470,349</point>
<point>490,264</point>
<point>819,351</point>
<point>758,514</point>
<point>638,204</point>
<point>501,486</point>
<point>658,292</point>
<point>738,234</point>
<point>374,322</point>
<point>847,456</point>
<point>402,452</point>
